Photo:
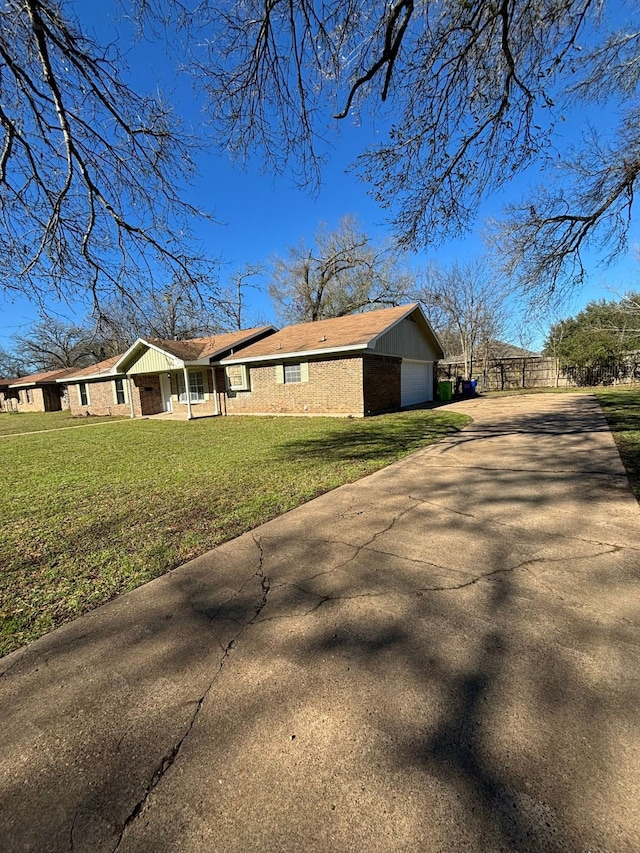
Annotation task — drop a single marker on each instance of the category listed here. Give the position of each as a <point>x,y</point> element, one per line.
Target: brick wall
<point>101,399</point>
<point>334,388</point>
<point>37,400</point>
<point>381,382</point>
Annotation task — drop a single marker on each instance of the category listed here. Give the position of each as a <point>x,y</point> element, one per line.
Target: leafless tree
<point>470,93</point>
<point>11,365</point>
<point>91,173</point>
<point>52,344</point>
<point>344,272</point>
<point>174,312</point>
<point>468,307</point>
<point>232,302</point>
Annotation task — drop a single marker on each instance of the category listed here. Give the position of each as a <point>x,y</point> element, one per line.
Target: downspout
<point>188,392</point>
<point>132,413</point>
<point>215,392</point>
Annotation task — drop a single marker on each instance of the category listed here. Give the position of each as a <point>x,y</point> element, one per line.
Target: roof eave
<point>280,354</point>
<point>90,377</point>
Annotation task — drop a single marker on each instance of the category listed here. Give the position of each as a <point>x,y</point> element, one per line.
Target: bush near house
<point>91,513</point>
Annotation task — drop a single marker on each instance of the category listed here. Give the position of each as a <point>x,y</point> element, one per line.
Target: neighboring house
<point>8,399</point>
<point>38,392</point>
<point>493,351</point>
<point>155,376</point>
<point>356,365</point>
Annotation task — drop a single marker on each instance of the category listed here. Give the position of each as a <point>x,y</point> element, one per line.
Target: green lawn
<point>90,513</point>
<point>12,423</point>
<point>621,407</point>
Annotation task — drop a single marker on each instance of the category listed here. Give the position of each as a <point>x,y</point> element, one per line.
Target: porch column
<point>215,391</point>
<point>186,385</point>
<point>130,384</point>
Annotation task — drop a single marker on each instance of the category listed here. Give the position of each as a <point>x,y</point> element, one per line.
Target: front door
<point>165,388</point>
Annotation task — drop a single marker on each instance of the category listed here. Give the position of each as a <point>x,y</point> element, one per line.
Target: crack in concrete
<point>322,599</point>
<point>124,734</point>
<point>365,545</point>
<point>505,570</point>
<point>525,564</point>
<point>610,550</point>
<point>73,826</point>
<point>169,759</point>
<point>495,523</point>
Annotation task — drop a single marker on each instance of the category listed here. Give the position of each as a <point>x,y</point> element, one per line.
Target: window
<point>292,373</point>
<point>29,395</point>
<point>120,394</point>
<point>237,377</point>
<point>83,393</point>
<point>196,387</point>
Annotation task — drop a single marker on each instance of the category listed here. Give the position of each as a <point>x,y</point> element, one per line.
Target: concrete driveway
<point>443,656</point>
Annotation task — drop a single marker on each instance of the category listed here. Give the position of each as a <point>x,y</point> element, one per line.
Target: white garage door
<point>416,382</point>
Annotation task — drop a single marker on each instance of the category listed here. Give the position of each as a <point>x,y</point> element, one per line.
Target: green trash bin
<point>445,391</point>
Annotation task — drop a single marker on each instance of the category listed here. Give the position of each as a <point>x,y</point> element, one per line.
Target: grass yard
<point>621,407</point>
<point>90,513</point>
<point>12,423</point>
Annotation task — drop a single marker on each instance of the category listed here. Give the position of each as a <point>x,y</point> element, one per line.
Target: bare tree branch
<point>343,273</point>
<point>91,173</point>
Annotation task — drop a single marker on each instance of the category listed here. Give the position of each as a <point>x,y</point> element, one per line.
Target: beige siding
<point>406,339</point>
<point>152,361</point>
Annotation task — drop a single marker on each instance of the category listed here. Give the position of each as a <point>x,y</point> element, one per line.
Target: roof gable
<point>193,351</point>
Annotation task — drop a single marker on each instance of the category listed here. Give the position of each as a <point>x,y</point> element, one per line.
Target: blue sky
<point>259,215</point>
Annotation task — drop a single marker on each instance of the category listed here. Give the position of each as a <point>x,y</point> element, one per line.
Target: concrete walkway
<point>441,657</point>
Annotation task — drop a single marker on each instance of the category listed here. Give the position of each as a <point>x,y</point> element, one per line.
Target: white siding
<point>416,382</point>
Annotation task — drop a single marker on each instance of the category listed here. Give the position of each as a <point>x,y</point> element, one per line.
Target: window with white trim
<point>196,387</point>
<point>292,373</point>
<point>83,394</point>
<point>119,391</point>
<point>237,377</point>
<point>29,396</point>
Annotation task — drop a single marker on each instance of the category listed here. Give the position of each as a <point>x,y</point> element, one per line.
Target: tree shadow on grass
<point>373,439</point>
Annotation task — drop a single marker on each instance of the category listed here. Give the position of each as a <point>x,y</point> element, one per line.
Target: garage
<point>416,382</point>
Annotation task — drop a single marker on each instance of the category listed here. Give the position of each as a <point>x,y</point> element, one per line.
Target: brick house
<point>157,376</point>
<point>38,392</point>
<point>357,365</point>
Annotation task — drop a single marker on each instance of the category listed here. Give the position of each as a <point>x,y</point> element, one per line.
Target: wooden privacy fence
<point>502,374</point>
